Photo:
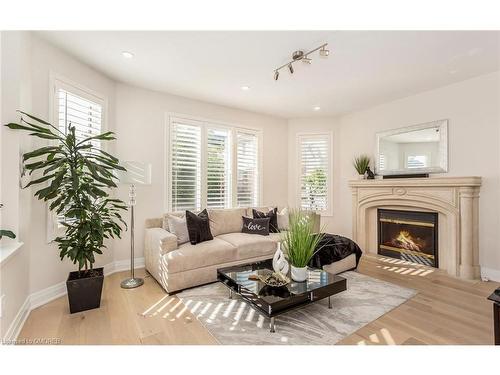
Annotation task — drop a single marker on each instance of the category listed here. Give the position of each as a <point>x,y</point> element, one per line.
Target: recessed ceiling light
<point>127,55</point>
<point>316,108</point>
<point>245,88</point>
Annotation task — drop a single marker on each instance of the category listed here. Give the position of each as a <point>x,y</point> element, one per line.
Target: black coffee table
<point>272,301</point>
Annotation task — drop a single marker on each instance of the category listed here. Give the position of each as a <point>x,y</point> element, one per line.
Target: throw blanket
<point>333,248</point>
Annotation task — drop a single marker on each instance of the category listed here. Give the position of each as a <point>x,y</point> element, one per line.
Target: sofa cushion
<point>256,226</point>
<point>189,257</point>
<point>165,218</point>
<point>178,226</point>
<point>226,220</point>
<point>273,218</point>
<point>250,245</point>
<point>276,237</point>
<point>198,227</point>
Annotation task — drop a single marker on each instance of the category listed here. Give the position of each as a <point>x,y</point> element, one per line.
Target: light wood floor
<point>445,311</point>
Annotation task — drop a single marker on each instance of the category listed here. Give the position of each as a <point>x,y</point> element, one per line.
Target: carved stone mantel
<point>455,199</point>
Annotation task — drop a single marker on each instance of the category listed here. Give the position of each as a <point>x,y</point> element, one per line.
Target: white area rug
<point>234,322</point>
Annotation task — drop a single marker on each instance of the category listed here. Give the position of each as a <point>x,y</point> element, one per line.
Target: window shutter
<point>85,115</point>
<point>416,161</point>
<point>186,167</point>
<point>381,162</point>
<point>314,171</point>
<point>247,178</point>
<point>218,168</point>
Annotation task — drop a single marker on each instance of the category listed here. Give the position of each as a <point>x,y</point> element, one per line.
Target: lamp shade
<point>138,173</point>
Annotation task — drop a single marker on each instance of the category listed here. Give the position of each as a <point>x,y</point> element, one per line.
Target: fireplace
<point>408,235</point>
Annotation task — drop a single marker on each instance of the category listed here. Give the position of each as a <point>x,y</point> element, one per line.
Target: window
<point>381,162</point>
<point>212,166</point>
<point>85,115</point>
<point>83,109</point>
<point>247,169</point>
<point>218,168</point>
<point>314,172</point>
<point>186,167</point>
<point>416,161</point>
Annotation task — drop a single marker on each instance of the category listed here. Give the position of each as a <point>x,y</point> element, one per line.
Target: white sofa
<point>177,267</point>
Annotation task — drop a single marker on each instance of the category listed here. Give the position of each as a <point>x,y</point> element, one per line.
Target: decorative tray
<point>274,279</point>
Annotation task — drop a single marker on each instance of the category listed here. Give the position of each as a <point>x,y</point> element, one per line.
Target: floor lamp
<point>137,174</point>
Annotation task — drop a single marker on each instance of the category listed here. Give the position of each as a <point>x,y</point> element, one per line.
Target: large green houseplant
<point>6,233</point>
<point>75,177</point>
<point>300,243</point>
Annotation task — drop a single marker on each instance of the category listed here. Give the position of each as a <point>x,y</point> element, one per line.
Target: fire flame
<point>406,241</point>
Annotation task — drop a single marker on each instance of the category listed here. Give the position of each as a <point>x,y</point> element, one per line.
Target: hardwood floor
<point>445,311</point>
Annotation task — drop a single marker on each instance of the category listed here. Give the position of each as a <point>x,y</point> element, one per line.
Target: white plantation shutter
<point>83,110</point>
<point>218,168</point>
<point>212,165</point>
<point>85,115</point>
<point>314,162</point>
<point>416,161</point>
<point>247,169</point>
<point>185,167</point>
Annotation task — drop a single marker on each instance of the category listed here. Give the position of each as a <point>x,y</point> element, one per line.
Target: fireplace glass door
<point>408,235</point>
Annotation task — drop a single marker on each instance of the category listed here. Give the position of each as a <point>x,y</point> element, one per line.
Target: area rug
<point>233,321</point>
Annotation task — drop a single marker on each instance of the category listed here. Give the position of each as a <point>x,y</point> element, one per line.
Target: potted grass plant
<point>75,178</point>
<point>300,243</point>
<point>361,164</point>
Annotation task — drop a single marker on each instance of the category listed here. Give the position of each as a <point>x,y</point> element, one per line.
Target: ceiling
<point>364,68</point>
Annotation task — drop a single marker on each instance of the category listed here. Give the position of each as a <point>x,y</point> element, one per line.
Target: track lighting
<point>323,52</point>
<point>301,55</point>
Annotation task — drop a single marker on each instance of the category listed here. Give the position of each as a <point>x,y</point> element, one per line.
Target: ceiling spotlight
<point>301,55</point>
<point>127,55</point>
<point>245,88</point>
<point>317,108</point>
<point>323,52</point>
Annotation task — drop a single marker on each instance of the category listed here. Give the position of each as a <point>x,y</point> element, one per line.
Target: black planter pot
<point>84,289</point>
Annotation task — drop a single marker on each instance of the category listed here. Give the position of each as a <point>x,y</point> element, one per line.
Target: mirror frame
<point>443,149</point>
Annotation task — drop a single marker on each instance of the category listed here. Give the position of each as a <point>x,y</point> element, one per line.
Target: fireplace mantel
<point>455,199</point>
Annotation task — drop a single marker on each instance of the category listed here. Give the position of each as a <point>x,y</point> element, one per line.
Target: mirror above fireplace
<point>417,149</point>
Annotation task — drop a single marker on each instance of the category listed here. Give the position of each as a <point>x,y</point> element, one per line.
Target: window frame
<point>205,124</point>
<point>56,82</point>
<point>329,173</point>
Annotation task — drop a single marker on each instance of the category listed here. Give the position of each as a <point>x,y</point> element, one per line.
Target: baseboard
<point>490,274</point>
<point>18,323</point>
<point>46,295</point>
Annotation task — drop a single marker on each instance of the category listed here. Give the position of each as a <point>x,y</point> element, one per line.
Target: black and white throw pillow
<point>272,215</point>
<point>255,226</point>
<point>198,227</point>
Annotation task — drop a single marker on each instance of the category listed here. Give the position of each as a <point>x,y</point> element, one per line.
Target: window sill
<point>8,250</point>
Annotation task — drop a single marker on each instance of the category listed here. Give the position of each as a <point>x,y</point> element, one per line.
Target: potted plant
<point>300,244</point>
<point>6,233</point>
<point>361,164</point>
<point>76,176</point>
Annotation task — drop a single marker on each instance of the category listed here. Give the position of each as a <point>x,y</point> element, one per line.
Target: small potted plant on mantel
<point>361,164</point>
<point>300,244</point>
<point>76,176</point>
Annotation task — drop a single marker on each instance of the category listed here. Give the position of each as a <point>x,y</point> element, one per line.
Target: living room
<point>376,152</point>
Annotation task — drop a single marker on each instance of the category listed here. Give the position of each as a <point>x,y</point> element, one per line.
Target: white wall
<point>313,125</point>
<point>472,108</point>
<point>15,94</point>
<point>46,268</point>
<point>140,128</point>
